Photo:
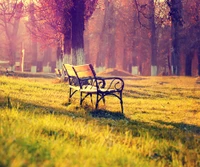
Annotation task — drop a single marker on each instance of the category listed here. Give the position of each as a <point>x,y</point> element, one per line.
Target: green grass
<point>160,126</point>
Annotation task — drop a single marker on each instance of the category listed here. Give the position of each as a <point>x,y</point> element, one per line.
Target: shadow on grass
<point>146,94</point>
<point>188,135</point>
<point>107,114</point>
<point>182,126</point>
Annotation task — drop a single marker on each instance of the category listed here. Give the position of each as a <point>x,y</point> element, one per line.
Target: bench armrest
<point>114,83</point>
<point>101,82</point>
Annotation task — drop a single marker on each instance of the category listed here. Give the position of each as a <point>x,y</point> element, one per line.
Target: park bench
<point>60,74</point>
<point>83,79</point>
<point>5,68</point>
<point>6,71</point>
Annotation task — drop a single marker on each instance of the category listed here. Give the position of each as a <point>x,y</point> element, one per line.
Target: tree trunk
<point>59,56</point>
<point>34,52</point>
<point>33,42</point>
<point>87,44</point>
<point>135,43</point>
<point>198,54</point>
<point>12,51</point>
<point>110,58</point>
<point>101,55</point>
<point>153,39</point>
<point>176,49</point>
<point>188,64</point>
<point>12,36</point>
<point>47,56</point>
<point>77,14</point>
<point>106,54</point>
<point>169,60</point>
<point>169,64</point>
<point>176,16</point>
<point>67,58</point>
<point>134,62</point>
<point>67,44</point>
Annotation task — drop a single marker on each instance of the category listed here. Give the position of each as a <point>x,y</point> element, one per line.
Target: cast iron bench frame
<point>83,78</point>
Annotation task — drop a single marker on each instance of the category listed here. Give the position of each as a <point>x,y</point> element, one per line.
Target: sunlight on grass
<point>160,126</point>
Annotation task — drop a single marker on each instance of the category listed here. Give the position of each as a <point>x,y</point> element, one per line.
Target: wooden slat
<point>57,71</point>
<point>85,67</point>
<point>84,71</point>
<point>83,74</point>
<point>69,69</point>
<point>71,73</point>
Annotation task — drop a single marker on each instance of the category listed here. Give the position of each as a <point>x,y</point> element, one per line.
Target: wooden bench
<point>60,75</point>
<point>6,71</point>
<point>5,68</point>
<point>83,79</point>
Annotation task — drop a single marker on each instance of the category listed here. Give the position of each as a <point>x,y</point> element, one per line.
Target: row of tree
<point>153,36</point>
<point>50,22</point>
<point>139,36</point>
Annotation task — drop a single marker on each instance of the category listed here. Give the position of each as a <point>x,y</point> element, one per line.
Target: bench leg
<point>70,91</point>
<point>97,101</point>
<point>100,97</point>
<point>121,102</point>
<point>91,98</point>
<point>104,100</point>
<point>122,108</point>
<point>81,100</point>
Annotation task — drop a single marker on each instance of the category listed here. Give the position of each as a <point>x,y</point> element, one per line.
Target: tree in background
<point>153,38</point>
<point>163,33</point>
<point>11,12</point>
<point>198,53</point>
<point>34,47</point>
<point>106,54</point>
<point>177,23</point>
<point>123,36</point>
<point>191,34</point>
<point>148,18</point>
<point>48,23</point>
<point>80,12</point>
<point>62,22</point>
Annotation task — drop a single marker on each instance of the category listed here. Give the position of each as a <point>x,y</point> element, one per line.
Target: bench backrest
<point>73,81</point>
<point>84,71</point>
<point>85,74</point>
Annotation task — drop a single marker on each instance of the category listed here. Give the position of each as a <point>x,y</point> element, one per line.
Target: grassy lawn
<point>160,126</point>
